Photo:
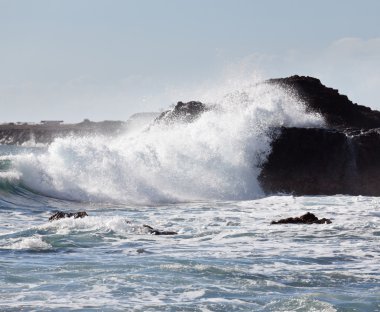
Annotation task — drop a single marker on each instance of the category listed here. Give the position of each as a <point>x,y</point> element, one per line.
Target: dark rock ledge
<point>342,158</point>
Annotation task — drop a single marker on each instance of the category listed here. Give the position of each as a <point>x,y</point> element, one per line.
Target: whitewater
<point>199,179</point>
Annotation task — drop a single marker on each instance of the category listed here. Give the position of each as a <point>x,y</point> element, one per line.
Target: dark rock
<point>340,159</point>
<point>323,162</point>
<point>307,218</point>
<point>183,112</point>
<point>61,215</point>
<point>337,109</point>
<point>158,232</point>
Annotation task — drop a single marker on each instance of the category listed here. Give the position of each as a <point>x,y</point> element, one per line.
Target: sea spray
<point>216,156</point>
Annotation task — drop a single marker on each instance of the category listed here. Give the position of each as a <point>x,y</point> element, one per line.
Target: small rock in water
<point>158,232</point>
<point>61,215</point>
<point>307,218</point>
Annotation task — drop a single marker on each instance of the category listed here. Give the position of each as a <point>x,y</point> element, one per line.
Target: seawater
<point>226,257</point>
<point>200,180</point>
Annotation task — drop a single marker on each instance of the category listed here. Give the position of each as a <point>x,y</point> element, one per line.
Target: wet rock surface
<point>342,158</point>
<point>62,215</point>
<point>183,112</point>
<point>337,109</point>
<point>308,218</point>
<point>158,232</point>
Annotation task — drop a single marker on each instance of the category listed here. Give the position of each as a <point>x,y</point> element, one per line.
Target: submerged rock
<point>307,218</point>
<point>61,215</point>
<point>158,232</point>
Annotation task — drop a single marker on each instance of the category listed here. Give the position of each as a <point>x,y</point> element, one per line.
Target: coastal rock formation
<point>308,218</point>
<point>338,111</point>
<point>342,158</point>
<point>323,162</point>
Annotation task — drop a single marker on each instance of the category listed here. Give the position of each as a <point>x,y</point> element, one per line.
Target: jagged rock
<point>307,218</point>
<point>61,215</point>
<point>184,112</point>
<point>339,159</point>
<point>338,111</point>
<point>158,232</point>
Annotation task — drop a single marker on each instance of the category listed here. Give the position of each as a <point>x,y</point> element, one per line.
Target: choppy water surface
<point>226,257</point>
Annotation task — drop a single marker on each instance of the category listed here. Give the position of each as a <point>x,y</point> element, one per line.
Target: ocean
<point>198,179</point>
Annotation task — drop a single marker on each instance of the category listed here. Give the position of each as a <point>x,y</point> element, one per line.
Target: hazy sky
<point>75,59</point>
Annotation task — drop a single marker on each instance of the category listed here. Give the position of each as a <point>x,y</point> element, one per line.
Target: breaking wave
<point>217,156</point>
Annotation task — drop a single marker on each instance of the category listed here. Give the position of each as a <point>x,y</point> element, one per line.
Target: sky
<point>108,59</point>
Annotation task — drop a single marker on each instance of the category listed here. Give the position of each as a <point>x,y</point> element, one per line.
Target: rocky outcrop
<point>338,111</point>
<point>183,112</point>
<point>308,218</point>
<point>323,162</point>
<point>342,158</point>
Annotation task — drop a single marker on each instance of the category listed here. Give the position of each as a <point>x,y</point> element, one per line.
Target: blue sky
<point>75,59</point>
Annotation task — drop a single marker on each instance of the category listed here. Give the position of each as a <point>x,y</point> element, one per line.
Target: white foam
<point>117,224</point>
<point>33,243</point>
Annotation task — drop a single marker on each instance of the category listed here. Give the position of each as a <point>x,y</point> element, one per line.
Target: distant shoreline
<point>17,134</point>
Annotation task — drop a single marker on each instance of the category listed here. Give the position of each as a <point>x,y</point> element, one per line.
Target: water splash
<point>215,157</point>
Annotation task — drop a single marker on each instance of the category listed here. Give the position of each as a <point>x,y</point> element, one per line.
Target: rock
<point>307,218</point>
<point>337,109</point>
<point>339,159</point>
<point>17,134</point>
<point>183,112</point>
<point>158,232</point>
<point>61,215</point>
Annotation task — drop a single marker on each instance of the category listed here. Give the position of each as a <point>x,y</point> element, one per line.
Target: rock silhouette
<point>61,215</point>
<point>342,158</point>
<point>308,218</point>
